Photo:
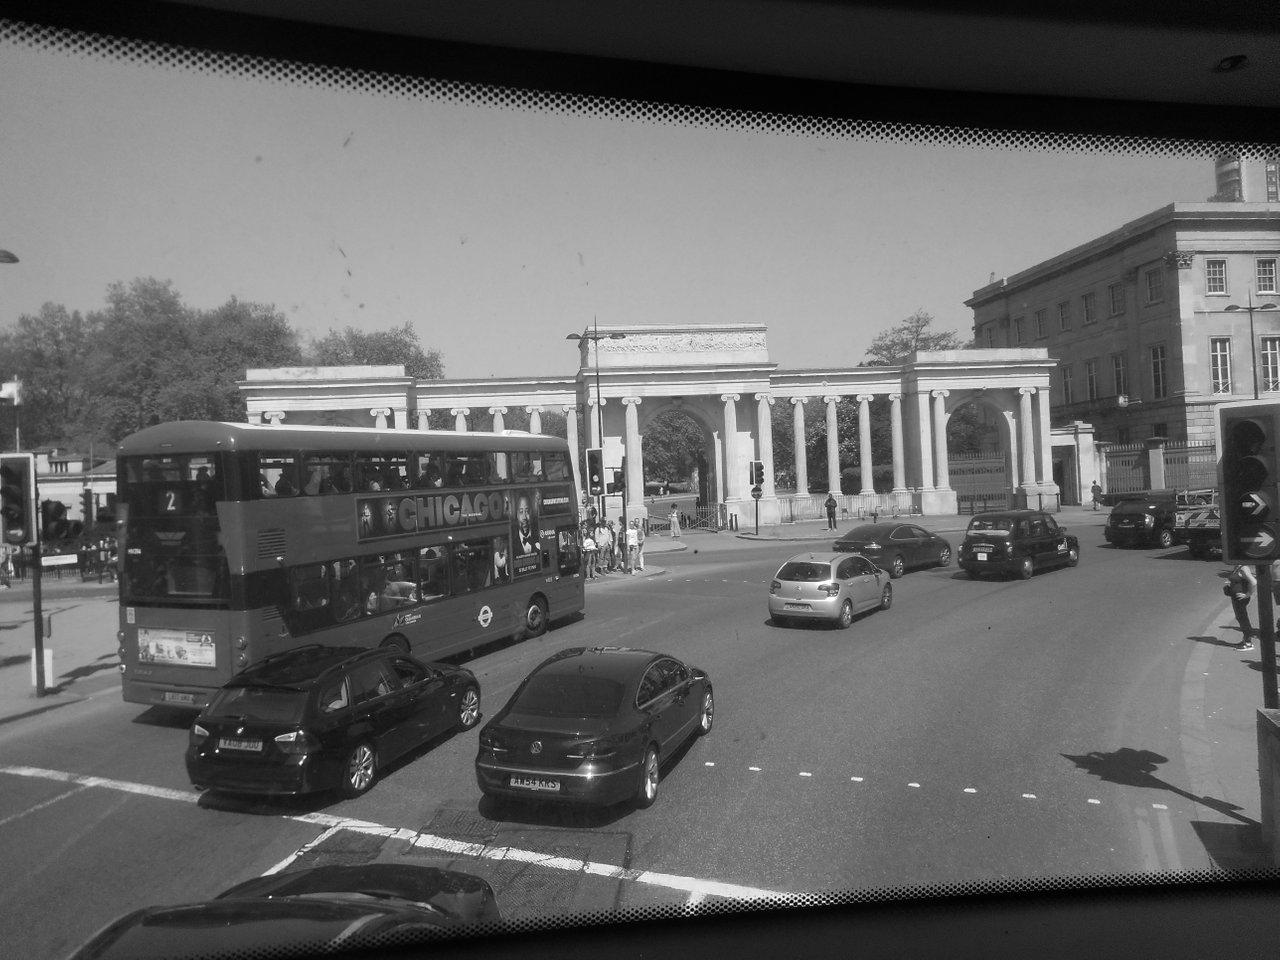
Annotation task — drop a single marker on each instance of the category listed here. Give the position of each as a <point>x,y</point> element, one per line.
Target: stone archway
<point>979,456</point>
<point>695,457</point>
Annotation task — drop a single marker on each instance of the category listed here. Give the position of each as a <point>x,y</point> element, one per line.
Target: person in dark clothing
<point>831,505</point>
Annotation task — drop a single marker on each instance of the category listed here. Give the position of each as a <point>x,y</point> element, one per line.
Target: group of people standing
<point>609,550</point>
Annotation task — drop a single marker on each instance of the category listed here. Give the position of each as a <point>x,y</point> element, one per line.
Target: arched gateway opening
<point>718,382</point>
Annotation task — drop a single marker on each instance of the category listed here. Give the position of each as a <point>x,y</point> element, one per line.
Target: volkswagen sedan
<point>593,725</point>
<point>896,547</point>
<point>829,588</point>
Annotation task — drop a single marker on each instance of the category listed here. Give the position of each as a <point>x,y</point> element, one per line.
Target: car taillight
<point>775,586</point>
<point>296,742</point>
<point>492,743</point>
<point>871,545</point>
<point>595,750</point>
<point>830,589</point>
<point>198,734</point>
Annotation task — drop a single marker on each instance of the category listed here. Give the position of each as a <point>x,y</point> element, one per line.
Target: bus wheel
<point>535,617</point>
<point>397,642</point>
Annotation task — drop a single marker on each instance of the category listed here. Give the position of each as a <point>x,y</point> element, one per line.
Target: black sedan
<point>592,725</point>
<point>324,909</point>
<point>896,547</point>
<point>322,718</point>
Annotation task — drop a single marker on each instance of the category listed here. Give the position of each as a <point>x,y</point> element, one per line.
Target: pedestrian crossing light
<point>595,471</point>
<point>17,498</point>
<point>1249,469</point>
<point>616,485</point>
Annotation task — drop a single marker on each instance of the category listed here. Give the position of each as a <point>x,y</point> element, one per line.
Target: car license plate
<point>229,743</point>
<point>981,556</point>
<point>795,606</point>
<point>171,697</point>
<point>536,783</point>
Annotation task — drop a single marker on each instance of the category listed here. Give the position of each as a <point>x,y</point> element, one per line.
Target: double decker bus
<point>238,541</point>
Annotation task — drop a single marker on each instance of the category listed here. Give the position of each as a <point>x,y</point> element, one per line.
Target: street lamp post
<point>1253,340</point>
<point>595,339</point>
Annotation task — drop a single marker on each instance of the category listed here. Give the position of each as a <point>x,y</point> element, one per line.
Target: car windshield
<point>805,571</point>
<point>270,704</point>
<point>1133,506</point>
<point>569,695</point>
<point>998,526</point>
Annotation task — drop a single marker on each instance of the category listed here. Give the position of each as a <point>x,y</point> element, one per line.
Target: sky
<point>497,231</point>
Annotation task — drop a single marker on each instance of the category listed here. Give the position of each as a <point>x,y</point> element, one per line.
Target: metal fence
<point>981,482</point>
<point>849,505</point>
<point>1187,465</point>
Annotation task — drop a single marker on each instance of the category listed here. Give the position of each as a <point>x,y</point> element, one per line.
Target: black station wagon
<point>324,718</point>
<point>1016,543</point>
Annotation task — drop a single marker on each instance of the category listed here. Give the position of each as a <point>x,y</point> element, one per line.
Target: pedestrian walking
<point>604,547</point>
<point>830,504</point>
<point>589,553</point>
<point>1241,585</point>
<point>633,547</point>
<point>674,517</point>
<point>1096,490</point>
<point>640,543</point>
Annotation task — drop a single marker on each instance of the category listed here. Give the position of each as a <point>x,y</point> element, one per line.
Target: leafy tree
<point>49,352</point>
<point>897,344</point>
<point>672,442</point>
<point>398,345</point>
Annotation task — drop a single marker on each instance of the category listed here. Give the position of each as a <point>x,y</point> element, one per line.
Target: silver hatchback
<point>831,587</point>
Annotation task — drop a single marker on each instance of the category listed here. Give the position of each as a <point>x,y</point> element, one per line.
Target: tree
<point>672,442</point>
<point>897,344</point>
<point>49,352</point>
<point>398,345</point>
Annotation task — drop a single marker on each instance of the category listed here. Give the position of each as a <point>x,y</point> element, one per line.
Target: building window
<point>1091,378</point>
<point>1042,322</point>
<point>1088,304</point>
<point>1122,434</point>
<point>1271,364</point>
<point>1064,316</point>
<point>1220,364</point>
<point>1068,394</point>
<point>991,335</point>
<point>1265,277</point>
<point>1116,294</point>
<point>1160,430</point>
<point>1155,285</point>
<point>1019,331</point>
<point>1215,276</point>
<point>1159,362</point>
<point>1120,373</point>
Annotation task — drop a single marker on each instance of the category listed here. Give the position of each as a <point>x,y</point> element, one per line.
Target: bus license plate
<point>187,698</point>
<point>533,783</point>
<point>227,743</point>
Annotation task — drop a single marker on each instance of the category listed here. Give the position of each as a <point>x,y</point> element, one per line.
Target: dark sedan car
<point>321,910</point>
<point>592,725</point>
<point>896,547</point>
<point>1016,543</point>
<point>322,718</point>
<point>1145,522</point>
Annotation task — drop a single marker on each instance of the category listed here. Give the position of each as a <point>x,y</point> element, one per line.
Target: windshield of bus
<point>172,542</point>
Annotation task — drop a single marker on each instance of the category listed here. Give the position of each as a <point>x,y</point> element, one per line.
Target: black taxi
<point>1016,543</point>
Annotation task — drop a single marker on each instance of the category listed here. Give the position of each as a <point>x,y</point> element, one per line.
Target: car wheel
<point>944,558</point>
<point>845,617</point>
<point>469,708</point>
<point>396,642</point>
<point>359,770</point>
<point>535,617</point>
<point>886,597</point>
<point>1165,539</point>
<point>707,715</point>
<point>648,791</point>
<point>1026,568</point>
<point>896,567</point>
<point>1073,557</point>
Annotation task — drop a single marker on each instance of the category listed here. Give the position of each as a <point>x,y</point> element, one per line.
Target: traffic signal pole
<point>38,612</point>
<point>1267,637</point>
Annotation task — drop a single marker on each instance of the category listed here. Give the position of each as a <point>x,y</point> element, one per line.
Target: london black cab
<point>1016,543</point>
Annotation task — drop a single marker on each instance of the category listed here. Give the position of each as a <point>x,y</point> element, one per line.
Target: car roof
<point>613,663</point>
<point>1011,514</point>
<point>300,667</point>
<point>875,528</point>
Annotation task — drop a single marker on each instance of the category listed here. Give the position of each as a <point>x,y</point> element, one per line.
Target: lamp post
<point>595,339</point>
<point>1253,340</point>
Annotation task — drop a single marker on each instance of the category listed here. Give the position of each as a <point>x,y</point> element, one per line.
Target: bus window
<point>555,466</point>
<point>309,589</point>
<point>319,472</point>
<point>345,595</point>
<point>278,474</point>
<point>472,561</point>
<point>468,470</point>
<point>526,466</point>
<point>398,586</point>
<point>372,582</point>
<point>568,552</point>
<point>433,574</point>
<point>428,470</point>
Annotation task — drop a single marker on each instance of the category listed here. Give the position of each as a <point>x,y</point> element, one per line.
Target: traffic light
<point>1250,469</point>
<point>53,521</point>
<point>17,498</point>
<point>87,506</point>
<point>595,471</point>
<point>616,485</point>
<point>757,473</point>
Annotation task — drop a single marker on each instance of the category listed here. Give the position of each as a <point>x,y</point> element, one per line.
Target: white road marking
<point>693,885</point>
<point>970,790</point>
<point>1091,800</point>
<point>915,785</point>
<point>41,806</point>
<point>803,774</point>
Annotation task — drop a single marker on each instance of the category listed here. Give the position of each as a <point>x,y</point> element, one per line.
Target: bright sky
<point>495,232</point>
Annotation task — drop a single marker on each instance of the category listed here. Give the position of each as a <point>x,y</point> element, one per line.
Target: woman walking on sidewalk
<point>1241,585</point>
<point>674,517</point>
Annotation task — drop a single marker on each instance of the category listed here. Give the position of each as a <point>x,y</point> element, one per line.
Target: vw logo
<point>535,747</point>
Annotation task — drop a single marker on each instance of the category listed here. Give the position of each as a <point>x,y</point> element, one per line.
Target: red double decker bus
<point>238,541</point>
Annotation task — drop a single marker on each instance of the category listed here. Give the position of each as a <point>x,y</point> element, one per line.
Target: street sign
<point>757,492</point>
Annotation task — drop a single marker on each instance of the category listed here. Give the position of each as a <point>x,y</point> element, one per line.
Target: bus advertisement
<point>239,541</point>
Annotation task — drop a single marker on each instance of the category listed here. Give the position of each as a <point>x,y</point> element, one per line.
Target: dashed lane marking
<point>694,886</point>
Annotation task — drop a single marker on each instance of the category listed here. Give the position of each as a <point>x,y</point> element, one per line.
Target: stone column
<point>764,421</point>
<point>424,418</point>
<point>535,419</point>
<point>802,463</point>
<point>923,419</point>
<point>1046,438</point>
<point>732,482</point>
<point>274,416</point>
<point>575,454</point>
<point>864,443</point>
<point>833,445</point>
<point>940,439</point>
<point>380,415</point>
<point>634,477</point>
<point>895,434</point>
<point>1027,440</point>
<point>499,424</point>
<point>460,418</point>
<point>595,412</point>
<point>400,418</point>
